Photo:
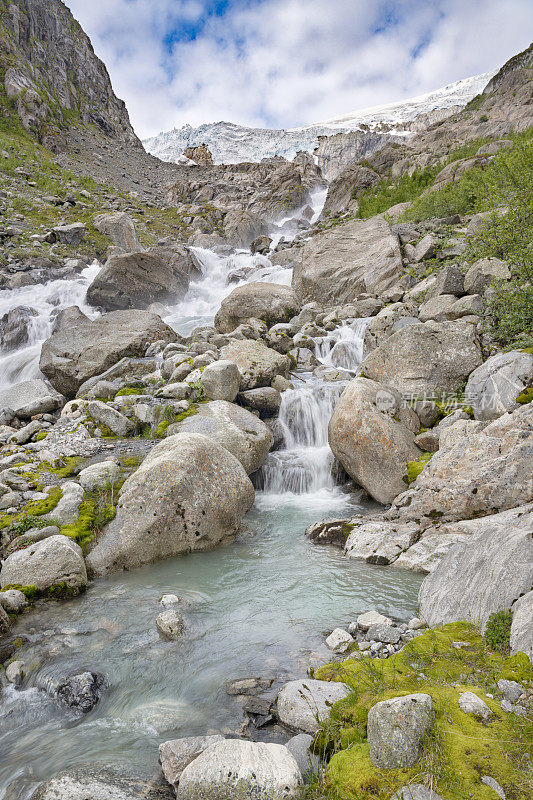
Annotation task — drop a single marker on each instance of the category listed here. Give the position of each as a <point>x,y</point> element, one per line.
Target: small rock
<point>416,624</point>
<point>383,633</point>
<point>176,754</point>
<point>13,601</point>
<point>396,729</point>
<point>170,624</point>
<point>15,672</point>
<point>169,600</point>
<point>339,641</point>
<point>511,690</point>
<point>470,703</point>
<point>488,781</point>
<point>248,686</point>
<point>81,691</point>
<point>369,618</point>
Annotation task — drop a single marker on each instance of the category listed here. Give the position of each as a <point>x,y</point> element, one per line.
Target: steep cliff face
<point>50,76</point>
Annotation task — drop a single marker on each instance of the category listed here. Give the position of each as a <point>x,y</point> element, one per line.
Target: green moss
<point>41,435</point>
<point>130,389</point>
<point>30,592</point>
<point>131,462</point>
<point>162,428</point>
<point>70,466</point>
<point>25,519</point>
<point>61,591</point>
<point>525,396</point>
<point>414,468</point>
<point>443,663</point>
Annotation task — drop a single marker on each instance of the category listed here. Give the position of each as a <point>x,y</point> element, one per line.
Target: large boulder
<point>268,302</point>
<point>485,573</point>
<point>235,769</point>
<point>346,187</point>
<point>483,273</point>
<point>396,729</point>
<point>370,443</point>
<point>493,387</point>
<point>303,704</point>
<point>176,754</point>
<point>188,494</point>
<point>478,473</point>
<point>232,427</point>
<point>338,264</point>
<point>221,380</point>
<point>120,229</point>
<point>72,356</point>
<point>423,359</point>
<point>44,564</point>
<point>521,640</point>
<point>92,783</point>
<point>135,280</point>
<point>258,364</point>
<point>15,327</point>
<point>31,397</point>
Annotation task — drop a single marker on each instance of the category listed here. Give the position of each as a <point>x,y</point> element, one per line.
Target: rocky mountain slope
<point>230,143</point>
<point>51,77</point>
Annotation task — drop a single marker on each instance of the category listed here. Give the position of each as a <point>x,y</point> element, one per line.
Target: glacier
<point>230,143</point>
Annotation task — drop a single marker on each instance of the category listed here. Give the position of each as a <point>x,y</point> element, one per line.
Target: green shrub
<point>498,631</point>
<point>379,198</point>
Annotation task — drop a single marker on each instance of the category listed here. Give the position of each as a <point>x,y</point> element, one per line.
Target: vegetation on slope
<point>461,749</point>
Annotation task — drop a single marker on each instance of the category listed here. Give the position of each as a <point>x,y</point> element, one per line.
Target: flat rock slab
<point>303,704</point>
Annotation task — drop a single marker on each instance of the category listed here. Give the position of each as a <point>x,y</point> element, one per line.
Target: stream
<point>257,607</point>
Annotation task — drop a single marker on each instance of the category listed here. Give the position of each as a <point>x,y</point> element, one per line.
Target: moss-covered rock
<point>443,663</point>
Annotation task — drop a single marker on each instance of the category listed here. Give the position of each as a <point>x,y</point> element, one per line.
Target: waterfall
<point>46,300</point>
<point>304,465</point>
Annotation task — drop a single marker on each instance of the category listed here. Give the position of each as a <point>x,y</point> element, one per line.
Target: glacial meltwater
<point>257,607</point>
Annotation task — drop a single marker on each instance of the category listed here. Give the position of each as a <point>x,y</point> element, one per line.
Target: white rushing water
<point>46,300</point>
<point>255,607</point>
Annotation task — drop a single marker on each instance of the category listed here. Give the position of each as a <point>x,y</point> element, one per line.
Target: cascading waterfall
<point>46,300</point>
<point>304,465</point>
<point>253,608</point>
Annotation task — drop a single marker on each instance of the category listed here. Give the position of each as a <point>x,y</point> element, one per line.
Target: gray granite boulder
<point>396,729</point>
<point>188,494</point>
<point>484,574</point>
<point>269,302</point>
<point>373,445</point>
<point>493,387</point>
<point>303,704</point>
<point>232,427</point>
<point>44,564</point>
<point>234,768</point>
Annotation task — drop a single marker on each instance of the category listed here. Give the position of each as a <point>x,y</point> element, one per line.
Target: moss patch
<point>414,468</point>
<point>525,396</point>
<point>443,663</point>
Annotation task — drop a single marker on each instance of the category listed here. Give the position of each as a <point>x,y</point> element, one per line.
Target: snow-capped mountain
<point>230,143</point>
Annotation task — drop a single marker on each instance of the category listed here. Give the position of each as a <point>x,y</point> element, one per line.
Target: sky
<point>285,63</point>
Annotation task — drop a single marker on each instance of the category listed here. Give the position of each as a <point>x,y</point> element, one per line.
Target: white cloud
<point>282,63</point>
